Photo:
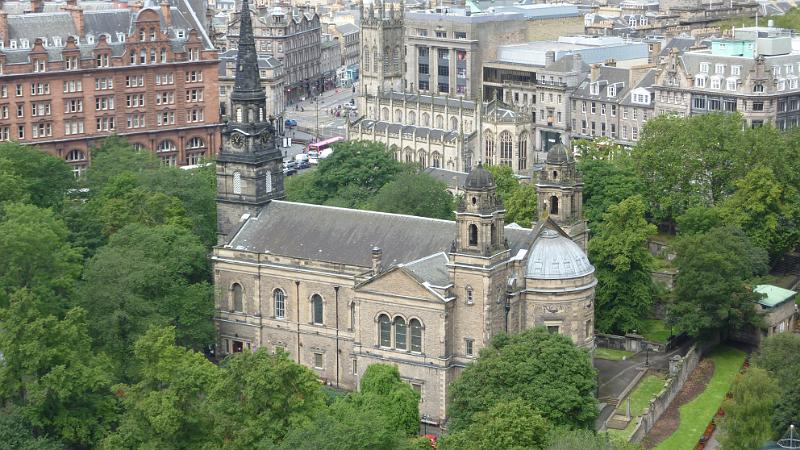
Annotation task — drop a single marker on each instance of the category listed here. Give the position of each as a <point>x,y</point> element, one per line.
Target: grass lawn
<point>610,353</point>
<point>655,330</point>
<point>640,399</point>
<point>696,414</point>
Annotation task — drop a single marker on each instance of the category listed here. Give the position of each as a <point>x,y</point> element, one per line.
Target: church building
<point>339,289</point>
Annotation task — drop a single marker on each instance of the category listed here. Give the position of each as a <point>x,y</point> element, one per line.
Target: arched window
<point>473,234</point>
<point>387,54</point>
<point>268,181</point>
<point>416,335</point>
<point>400,333</point>
<point>553,205</point>
<point>238,301</point>
<point>396,59</point>
<point>470,295</point>
<point>426,120</point>
<point>316,309</point>
<point>398,116</point>
<point>494,234</point>
<point>439,121</point>
<point>76,155</point>
<point>237,182</point>
<point>488,139</point>
<point>555,175</point>
<point>366,58</point>
<point>166,146</point>
<point>384,331</point>
<point>522,152</point>
<point>506,145</point>
<point>195,143</point>
<point>436,159</point>
<point>409,155</point>
<point>412,118</point>
<point>353,315</point>
<point>375,60</point>
<point>385,114</point>
<point>453,124</point>
<point>279,298</point>
<point>421,158</point>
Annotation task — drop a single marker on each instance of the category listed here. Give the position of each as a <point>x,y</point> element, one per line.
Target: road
<point>329,125</point>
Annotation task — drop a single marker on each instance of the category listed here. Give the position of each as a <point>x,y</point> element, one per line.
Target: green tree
<point>36,256</point>
<point>116,156</point>
<point>754,396</point>
<point>415,194</point>
<point>12,186</point>
<point>144,277</point>
<point>545,370</point>
<point>606,183</point>
<point>302,188</point>
<point>382,389</point>
<point>512,425</point>
<point>16,432</point>
<point>698,219</point>
<point>787,409</point>
<point>711,292</point>
<point>780,355</point>
<point>52,373</point>
<point>619,253</point>
<point>260,397</point>
<point>167,407</point>
<point>505,181</point>
<point>588,440</point>
<point>521,205</point>
<point>766,209</point>
<point>43,178</point>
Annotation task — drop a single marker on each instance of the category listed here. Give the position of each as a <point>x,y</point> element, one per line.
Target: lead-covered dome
<point>554,257</point>
<point>558,154</point>
<point>479,178</point>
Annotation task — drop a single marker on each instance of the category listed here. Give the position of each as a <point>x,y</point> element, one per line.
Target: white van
<point>301,157</point>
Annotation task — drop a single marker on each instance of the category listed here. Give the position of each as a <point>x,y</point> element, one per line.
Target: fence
<point>679,369</point>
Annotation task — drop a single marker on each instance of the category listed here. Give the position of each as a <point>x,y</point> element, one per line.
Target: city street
<point>329,125</point>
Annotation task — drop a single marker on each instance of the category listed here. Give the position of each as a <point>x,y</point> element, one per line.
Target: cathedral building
<point>339,289</point>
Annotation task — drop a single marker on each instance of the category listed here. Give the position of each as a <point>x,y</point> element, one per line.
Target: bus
<point>322,145</point>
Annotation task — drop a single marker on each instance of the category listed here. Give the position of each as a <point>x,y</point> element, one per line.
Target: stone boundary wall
<point>680,369</point>
<point>630,342</point>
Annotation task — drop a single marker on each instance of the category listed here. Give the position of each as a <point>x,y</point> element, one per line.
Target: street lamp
<point>646,355</point>
<point>425,422</point>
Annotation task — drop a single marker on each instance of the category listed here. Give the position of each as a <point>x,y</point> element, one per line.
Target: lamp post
<point>507,307</point>
<point>646,355</point>
<point>425,423</point>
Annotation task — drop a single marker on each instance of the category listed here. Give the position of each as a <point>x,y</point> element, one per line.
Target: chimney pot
<point>377,254</point>
<point>166,12</point>
<point>549,57</point>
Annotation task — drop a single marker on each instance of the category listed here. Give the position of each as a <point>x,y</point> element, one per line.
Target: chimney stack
<point>136,6</point>
<point>595,72</point>
<point>611,62</point>
<point>4,28</point>
<point>377,254</point>
<point>549,57</point>
<point>37,6</point>
<point>76,12</point>
<point>166,12</point>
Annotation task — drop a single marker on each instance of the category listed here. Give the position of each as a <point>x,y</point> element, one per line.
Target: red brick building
<point>70,78</point>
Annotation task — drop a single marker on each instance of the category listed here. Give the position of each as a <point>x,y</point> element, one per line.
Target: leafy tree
<point>383,390</point>
<point>504,179</point>
<point>116,156</point>
<point>144,277</point>
<point>780,355</point>
<point>588,440</point>
<point>418,194</point>
<point>302,188</point>
<point>606,183</point>
<point>36,256</point>
<point>766,209</point>
<point>44,178</point>
<point>619,253</point>
<point>166,408</point>
<point>754,396</point>
<point>711,290</point>
<point>545,370</point>
<point>12,186</point>
<point>16,432</point>
<point>512,425</point>
<point>260,397</point>
<point>787,409</point>
<point>52,374</point>
<point>521,205</point>
<point>698,219</point>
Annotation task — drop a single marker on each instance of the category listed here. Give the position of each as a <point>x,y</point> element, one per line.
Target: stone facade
<point>272,76</point>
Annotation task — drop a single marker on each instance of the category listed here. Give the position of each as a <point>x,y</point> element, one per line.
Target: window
<point>280,303</point>
<point>613,111</point>
<point>719,68</point>
<point>21,132</point>
<point>594,107</point>
<point>355,366</point>
<point>102,60</point>
<point>736,70</point>
<point>102,84</point>
<point>716,83</point>
<point>134,101</point>
<point>635,133</point>
<point>469,344</point>
<point>268,181</point>
<point>384,331</point>
<point>316,309</point>
<point>73,127</point>
<point>704,67</point>
<point>699,102</point>
<point>194,95</point>
<point>194,76</point>
<point>71,63</point>
<point>195,143</point>
<point>134,80</point>
<point>104,103</point>
<point>4,112</point>
<point>758,87</point>
<point>194,115</point>
<point>758,106</point>
<point>731,84</point>
<point>165,78</point>
<point>416,335</point>
<point>588,329</point>
<point>460,35</point>
<point>105,123</point>
<point>473,234</point>
<point>42,130</point>
<point>594,89</point>
<point>470,300</point>
<point>318,360</point>
<point>40,89</point>
<point>165,98</point>
<point>75,155</point>
<point>506,144</point>
<point>700,81</point>
<point>19,90</point>
<point>441,34</point>
<point>400,333</point>
<point>237,297</point>
<point>237,182</point>
<point>40,109</point>
<point>553,329</point>
<point>165,118</point>
<point>136,120</point>
<point>73,86</point>
<point>603,109</point>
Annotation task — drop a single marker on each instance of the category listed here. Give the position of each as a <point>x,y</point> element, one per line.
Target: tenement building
<point>272,80</point>
<point>69,78</point>
<point>423,294</point>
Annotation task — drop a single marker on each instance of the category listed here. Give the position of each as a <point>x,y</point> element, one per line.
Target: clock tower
<point>249,165</point>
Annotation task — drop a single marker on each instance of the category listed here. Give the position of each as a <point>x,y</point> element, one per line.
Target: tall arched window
<point>506,145</point>
<point>421,158</point>
<point>488,147</point>
<point>166,146</point>
<point>353,315</point>
<point>409,155</point>
<point>279,298</point>
<point>385,114</point>
<point>387,55</point>
<point>398,116</point>
<point>237,182</point>
<point>396,59</point>
<point>375,60</point>
<point>453,124</point>
<point>238,298</point>
<point>416,335</point>
<point>366,58</point>
<point>384,331</point>
<point>316,309</point>
<point>412,118</point>
<point>268,181</point>
<point>473,234</point>
<point>426,120</point>
<point>522,152</point>
<point>553,205</point>
<point>400,333</point>
<point>195,143</point>
<point>494,234</point>
<point>439,121</point>
<point>436,159</point>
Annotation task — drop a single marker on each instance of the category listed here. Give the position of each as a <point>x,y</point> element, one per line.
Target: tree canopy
<point>754,395</point>
<point>515,425</point>
<point>414,194</point>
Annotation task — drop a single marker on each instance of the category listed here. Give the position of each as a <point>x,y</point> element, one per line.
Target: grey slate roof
<point>452,102</point>
<point>446,176</point>
<point>606,76</point>
<point>347,28</point>
<point>682,43</point>
<point>431,269</point>
<point>347,236</point>
<point>568,64</point>
<point>646,82</point>
<point>380,127</point>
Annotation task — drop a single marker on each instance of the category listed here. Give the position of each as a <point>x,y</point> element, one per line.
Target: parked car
<point>289,168</point>
<point>313,157</point>
<point>350,106</point>
<point>303,164</point>
<point>290,123</point>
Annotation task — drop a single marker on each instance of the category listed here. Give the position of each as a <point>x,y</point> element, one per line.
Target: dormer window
<point>103,60</point>
<point>121,37</point>
<point>758,88</point>
<point>776,70</point>
<point>39,65</point>
<point>719,69</point>
<point>89,39</point>
<point>612,90</point>
<point>731,84</point>
<point>153,34</point>
<point>57,41</point>
<point>141,34</point>
<point>703,67</point>
<point>736,70</point>
<point>700,81</point>
<point>781,84</point>
<point>24,43</point>
<point>14,44</point>
<point>643,21</point>
<point>180,34</point>
<point>594,89</point>
<point>632,22</point>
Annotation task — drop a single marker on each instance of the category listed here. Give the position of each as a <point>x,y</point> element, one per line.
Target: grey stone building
<point>272,76</point>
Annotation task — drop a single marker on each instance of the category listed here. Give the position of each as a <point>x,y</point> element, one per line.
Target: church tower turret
<point>249,172</point>
<point>559,190</point>
<point>382,67</point>
<point>481,216</point>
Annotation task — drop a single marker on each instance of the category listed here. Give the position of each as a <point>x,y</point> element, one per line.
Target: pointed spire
<point>247,85</point>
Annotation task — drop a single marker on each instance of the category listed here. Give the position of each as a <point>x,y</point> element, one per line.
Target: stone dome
<point>554,257</point>
<point>558,154</point>
<point>479,178</point>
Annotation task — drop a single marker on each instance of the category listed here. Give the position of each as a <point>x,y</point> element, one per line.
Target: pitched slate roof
<point>606,76</point>
<point>347,236</point>
<point>452,102</point>
<point>447,176</point>
<point>431,269</point>
<point>381,127</point>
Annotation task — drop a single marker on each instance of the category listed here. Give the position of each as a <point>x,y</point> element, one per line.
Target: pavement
<point>615,376</point>
<point>312,115</point>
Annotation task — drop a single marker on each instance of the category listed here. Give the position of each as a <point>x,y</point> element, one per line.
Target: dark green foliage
<point>511,426</point>
<point>114,157</point>
<point>744,426</point>
<point>711,291</point>
<point>619,253</point>
<point>787,409</point>
<point>606,183</point>
<point>504,179</point>
<point>698,220</point>
<point>383,390</point>
<point>414,194</point>
<point>16,432</point>
<point>545,370</point>
<point>588,440</point>
<point>33,176</point>
<point>519,199</point>
<point>780,355</point>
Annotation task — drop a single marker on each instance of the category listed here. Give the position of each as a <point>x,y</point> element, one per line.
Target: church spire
<point>247,85</point>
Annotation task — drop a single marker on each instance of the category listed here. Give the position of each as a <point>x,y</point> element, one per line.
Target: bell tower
<point>480,217</point>
<point>382,67</point>
<point>249,171</point>
<point>559,190</point>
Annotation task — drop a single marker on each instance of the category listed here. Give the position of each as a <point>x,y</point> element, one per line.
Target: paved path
<point>328,125</point>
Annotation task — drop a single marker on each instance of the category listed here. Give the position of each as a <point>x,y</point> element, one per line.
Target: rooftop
<point>774,295</point>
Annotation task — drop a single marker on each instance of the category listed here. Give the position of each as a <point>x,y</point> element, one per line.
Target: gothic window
<point>387,54</point>
<point>506,145</point>
<point>555,175</point>
<point>409,155</point>
<point>385,114</point>
<point>439,121</point>
<point>268,181</point>
<point>436,159</point>
<point>421,158</point>
<point>237,182</point>
<point>416,335</point>
<point>412,118</point>
<point>237,294</point>
<point>365,52</point>
<point>426,120</point>
<point>553,205</point>
<point>400,333</point>
<point>316,309</point>
<point>280,303</point>
<point>473,234</point>
<point>488,139</point>
<point>398,116</point>
<point>396,59</point>
<point>522,152</point>
<point>384,331</point>
<point>453,124</point>
<point>375,60</point>
<point>494,234</point>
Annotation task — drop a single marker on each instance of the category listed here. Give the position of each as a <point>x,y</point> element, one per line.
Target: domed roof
<point>479,178</point>
<point>554,257</point>
<point>558,154</point>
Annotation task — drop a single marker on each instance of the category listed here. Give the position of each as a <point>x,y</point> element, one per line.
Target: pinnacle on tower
<point>247,84</point>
